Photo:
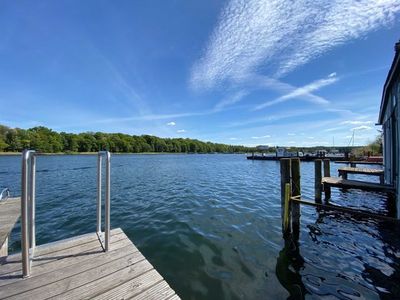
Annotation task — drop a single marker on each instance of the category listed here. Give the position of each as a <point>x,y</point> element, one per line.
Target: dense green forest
<point>43,139</point>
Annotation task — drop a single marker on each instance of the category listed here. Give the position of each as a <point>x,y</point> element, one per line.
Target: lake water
<point>211,225</point>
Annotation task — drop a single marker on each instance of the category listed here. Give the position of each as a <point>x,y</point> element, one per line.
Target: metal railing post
<point>107,204</point>
<point>106,241</point>
<point>27,190</point>
<point>32,206</point>
<point>99,162</point>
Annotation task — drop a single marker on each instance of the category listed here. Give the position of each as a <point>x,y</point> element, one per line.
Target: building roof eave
<point>394,69</point>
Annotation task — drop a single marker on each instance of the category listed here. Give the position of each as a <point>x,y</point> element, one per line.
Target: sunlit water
<point>211,225</point>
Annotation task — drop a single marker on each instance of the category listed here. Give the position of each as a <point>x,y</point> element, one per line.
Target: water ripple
<point>211,225</point>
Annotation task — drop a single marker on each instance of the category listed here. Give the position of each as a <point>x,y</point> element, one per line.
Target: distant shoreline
<point>114,153</point>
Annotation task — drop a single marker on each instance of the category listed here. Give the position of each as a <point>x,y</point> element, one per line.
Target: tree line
<point>45,140</point>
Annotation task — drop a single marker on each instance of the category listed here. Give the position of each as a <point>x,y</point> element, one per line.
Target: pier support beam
<point>327,173</point>
<point>285,178</point>
<point>296,191</point>
<point>318,179</point>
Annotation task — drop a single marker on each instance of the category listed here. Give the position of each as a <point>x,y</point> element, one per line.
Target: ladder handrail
<point>28,194</point>
<point>5,194</point>
<point>28,180</point>
<point>106,242</point>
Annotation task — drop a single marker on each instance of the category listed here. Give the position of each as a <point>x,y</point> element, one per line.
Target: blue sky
<point>246,72</point>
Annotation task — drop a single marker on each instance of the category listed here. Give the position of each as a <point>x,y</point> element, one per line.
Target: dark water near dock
<point>210,224</point>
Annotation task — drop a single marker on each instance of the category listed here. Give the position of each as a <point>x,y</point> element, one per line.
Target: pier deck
<point>363,162</point>
<point>363,171</point>
<point>10,211</point>
<point>78,268</point>
<point>355,184</point>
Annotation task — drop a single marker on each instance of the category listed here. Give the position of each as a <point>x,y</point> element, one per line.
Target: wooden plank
<point>355,184</point>
<point>363,162</point>
<point>159,291</point>
<point>364,171</point>
<point>80,284</point>
<point>133,287</point>
<point>10,211</point>
<point>353,211</point>
<point>70,260</point>
<point>103,283</point>
<point>115,258</point>
<point>83,272</point>
<point>44,254</point>
<point>4,248</point>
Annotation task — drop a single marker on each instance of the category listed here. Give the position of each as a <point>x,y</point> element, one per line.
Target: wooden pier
<point>78,268</point>
<point>362,171</point>
<point>98,265</point>
<point>353,163</point>
<point>355,184</point>
<point>10,211</point>
<point>291,197</point>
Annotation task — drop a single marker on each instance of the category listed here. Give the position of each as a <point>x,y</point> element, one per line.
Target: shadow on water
<point>378,258</point>
<point>387,282</point>
<point>288,266</point>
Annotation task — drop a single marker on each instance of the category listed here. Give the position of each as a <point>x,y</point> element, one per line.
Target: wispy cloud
<point>355,122</point>
<point>230,100</point>
<point>171,124</point>
<point>283,35</point>
<point>181,131</point>
<point>302,91</point>
<point>261,137</point>
<point>362,127</point>
<point>333,129</point>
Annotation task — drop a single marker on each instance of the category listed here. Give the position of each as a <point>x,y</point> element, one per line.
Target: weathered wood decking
<point>363,162</point>
<point>365,171</point>
<point>362,171</point>
<point>10,211</point>
<point>77,268</point>
<point>355,184</point>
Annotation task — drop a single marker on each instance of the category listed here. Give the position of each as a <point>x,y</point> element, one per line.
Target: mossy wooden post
<point>296,191</point>
<point>318,179</point>
<point>286,211</point>
<point>285,178</point>
<point>327,173</point>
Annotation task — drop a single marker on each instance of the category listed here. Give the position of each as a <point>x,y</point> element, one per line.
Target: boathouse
<point>389,119</point>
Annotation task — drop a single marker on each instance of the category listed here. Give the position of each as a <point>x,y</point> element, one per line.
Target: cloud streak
<point>261,137</point>
<point>230,100</point>
<point>280,35</point>
<point>304,91</point>
<point>362,127</point>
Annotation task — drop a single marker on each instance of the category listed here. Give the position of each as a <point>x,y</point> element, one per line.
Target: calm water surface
<point>210,224</point>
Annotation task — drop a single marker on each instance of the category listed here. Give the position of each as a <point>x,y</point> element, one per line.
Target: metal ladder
<point>28,195</point>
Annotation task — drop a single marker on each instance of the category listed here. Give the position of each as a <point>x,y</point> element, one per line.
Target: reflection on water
<point>288,267</point>
<point>211,225</point>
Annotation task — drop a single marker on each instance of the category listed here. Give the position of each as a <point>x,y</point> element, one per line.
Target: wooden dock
<point>10,211</point>
<point>362,162</point>
<point>363,171</point>
<point>98,265</point>
<point>78,268</point>
<point>355,184</point>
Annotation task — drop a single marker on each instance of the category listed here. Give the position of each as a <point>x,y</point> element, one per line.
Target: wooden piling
<point>382,179</point>
<point>327,173</point>
<point>318,179</point>
<point>296,191</point>
<point>327,168</point>
<point>285,178</point>
<point>286,212</point>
